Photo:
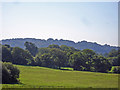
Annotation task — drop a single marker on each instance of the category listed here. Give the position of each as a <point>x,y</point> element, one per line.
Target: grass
<point>41,77</point>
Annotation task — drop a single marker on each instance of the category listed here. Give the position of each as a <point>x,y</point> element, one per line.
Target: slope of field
<point>37,77</point>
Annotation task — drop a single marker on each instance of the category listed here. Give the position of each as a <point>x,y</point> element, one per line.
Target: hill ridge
<point>98,48</point>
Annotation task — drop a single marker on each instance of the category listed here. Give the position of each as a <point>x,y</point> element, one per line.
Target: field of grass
<point>41,77</point>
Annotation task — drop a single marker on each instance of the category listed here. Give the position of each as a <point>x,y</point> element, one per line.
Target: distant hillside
<point>19,42</point>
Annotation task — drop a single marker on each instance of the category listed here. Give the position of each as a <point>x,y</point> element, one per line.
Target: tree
<point>22,57</point>
<point>10,73</point>
<point>42,51</point>
<point>68,49</point>
<point>46,60</point>
<point>88,54</point>
<point>113,56</point>
<point>113,53</point>
<point>38,61</point>
<point>32,48</point>
<point>59,57</point>
<point>77,61</point>
<point>6,54</point>
<point>101,64</point>
<point>52,57</point>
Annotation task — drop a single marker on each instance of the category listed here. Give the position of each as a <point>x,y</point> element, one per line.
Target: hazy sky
<point>76,21</point>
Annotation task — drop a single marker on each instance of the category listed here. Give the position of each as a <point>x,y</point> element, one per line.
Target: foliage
<point>22,57</point>
<point>113,53</point>
<point>32,48</point>
<point>55,56</point>
<point>101,64</point>
<point>10,73</point>
<point>6,54</point>
<point>51,57</point>
<point>114,57</point>
<point>87,60</point>
<point>77,61</point>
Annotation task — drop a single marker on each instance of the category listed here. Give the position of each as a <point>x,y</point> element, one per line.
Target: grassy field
<point>41,77</point>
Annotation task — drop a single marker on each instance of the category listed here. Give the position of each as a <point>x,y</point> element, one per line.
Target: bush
<point>10,73</point>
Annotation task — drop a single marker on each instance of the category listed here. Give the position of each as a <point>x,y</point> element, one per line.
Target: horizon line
<point>63,39</point>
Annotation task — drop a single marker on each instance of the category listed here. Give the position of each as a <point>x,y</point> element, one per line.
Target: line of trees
<point>55,56</point>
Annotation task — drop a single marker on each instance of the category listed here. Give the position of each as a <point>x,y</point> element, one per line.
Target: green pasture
<point>41,77</point>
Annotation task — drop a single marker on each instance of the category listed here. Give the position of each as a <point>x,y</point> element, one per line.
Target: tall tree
<point>6,54</point>
<point>89,54</point>
<point>59,57</point>
<point>32,48</point>
<point>102,64</point>
<point>21,56</point>
<point>77,61</point>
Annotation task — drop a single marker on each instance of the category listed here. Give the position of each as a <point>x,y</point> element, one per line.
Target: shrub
<point>10,73</point>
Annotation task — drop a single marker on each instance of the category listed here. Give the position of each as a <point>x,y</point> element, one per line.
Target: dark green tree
<point>6,54</point>
<point>77,61</point>
<point>68,49</point>
<point>46,60</point>
<point>113,53</point>
<point>88,54</point>
<point>59,57</point>
<point>32,48</point>
<point>10,73</point>
<point>38,61</point>
<point>22,57</point>
<point>102,64</point>
<point>113,56</point>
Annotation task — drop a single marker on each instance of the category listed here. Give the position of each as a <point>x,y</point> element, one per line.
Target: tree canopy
<point>55,56</point>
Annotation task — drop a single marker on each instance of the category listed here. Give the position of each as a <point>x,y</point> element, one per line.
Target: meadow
<point>42,77</point>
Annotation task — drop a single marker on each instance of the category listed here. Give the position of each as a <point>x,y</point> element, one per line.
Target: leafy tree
<point>68,49</point>
<point>101,64</point>
<point>52,57</point>
<point>113,53</point>
<point>10,73</point>
<point>32,48</point>
<point>59,57</point>
<point>38,61</point>
<point>46,60</point>
<point>88,54</point>
<point>113,60</point>
<point>6,54</point>
<point>77,61</point>
<point>113,56</point>
<point>42,51</point>
<point>22,57</point>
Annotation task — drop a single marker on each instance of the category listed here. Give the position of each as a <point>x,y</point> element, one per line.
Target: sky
<point>76,21</point>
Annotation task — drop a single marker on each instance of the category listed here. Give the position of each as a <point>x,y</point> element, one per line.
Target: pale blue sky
<point>76,21</point>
